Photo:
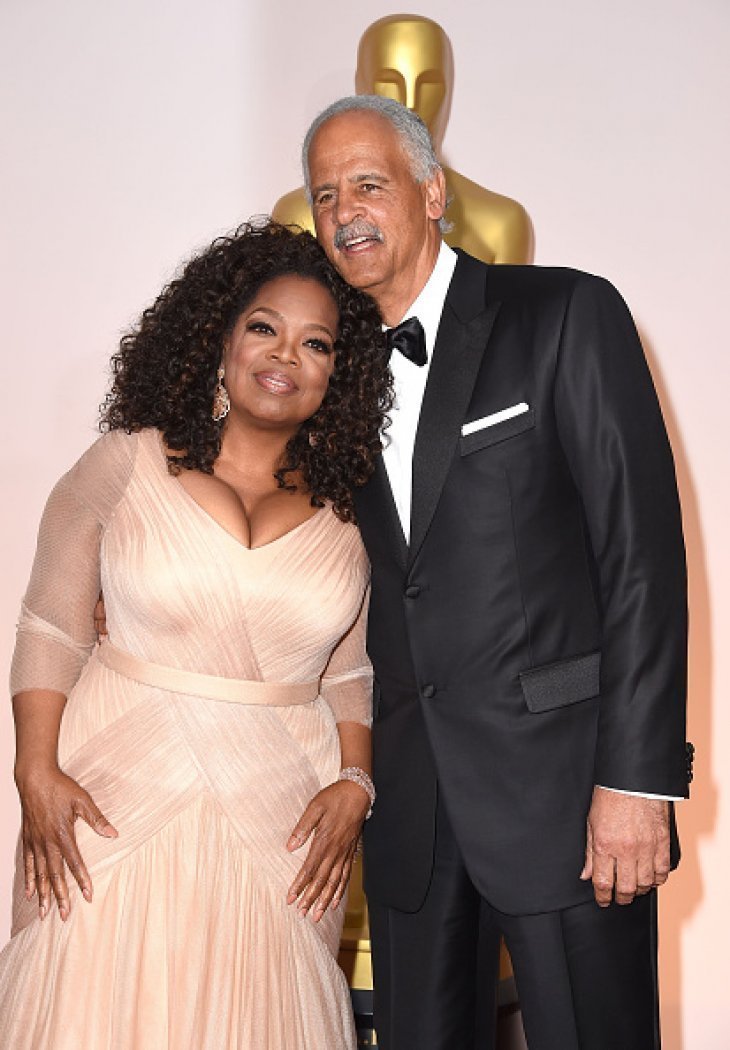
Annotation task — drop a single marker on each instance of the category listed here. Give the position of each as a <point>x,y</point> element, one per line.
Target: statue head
<point>408,58</point>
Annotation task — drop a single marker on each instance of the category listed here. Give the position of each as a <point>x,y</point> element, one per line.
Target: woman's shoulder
<point>100,476</point>
<point>116,449</point>
<point>346,538</point>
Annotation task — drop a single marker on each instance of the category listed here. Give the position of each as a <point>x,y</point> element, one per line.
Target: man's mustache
<point>356,228</point>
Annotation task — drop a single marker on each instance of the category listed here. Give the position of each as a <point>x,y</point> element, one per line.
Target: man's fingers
<point>100,617</point>
<point>587,872</point>
<point>626,881</point>
<point>661,860</point>
<point>604,875</point>
<point>644,875</point>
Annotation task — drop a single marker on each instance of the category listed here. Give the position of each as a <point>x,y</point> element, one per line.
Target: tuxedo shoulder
<point>561,279</point>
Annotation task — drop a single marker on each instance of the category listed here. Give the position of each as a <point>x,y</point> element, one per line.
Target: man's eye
<point>370,186</point>
<point>323,198</point>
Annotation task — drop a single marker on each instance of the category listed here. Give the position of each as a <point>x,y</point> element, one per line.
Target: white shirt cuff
<point>643,794</point>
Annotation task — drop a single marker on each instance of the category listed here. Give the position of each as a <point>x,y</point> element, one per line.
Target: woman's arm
<point>335,816</point>
<point>55,638</point>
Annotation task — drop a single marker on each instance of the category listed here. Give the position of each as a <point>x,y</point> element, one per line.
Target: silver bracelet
<point>359,776</point>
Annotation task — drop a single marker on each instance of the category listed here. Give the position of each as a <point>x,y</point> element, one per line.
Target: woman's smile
<point>276,383</point>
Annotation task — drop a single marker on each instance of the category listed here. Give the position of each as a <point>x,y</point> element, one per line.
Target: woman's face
<point>280,354</point>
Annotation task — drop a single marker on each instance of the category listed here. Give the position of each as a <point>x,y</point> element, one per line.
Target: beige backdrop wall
<point>134,131</point>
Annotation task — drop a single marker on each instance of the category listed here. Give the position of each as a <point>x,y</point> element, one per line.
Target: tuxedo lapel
<point>465,327</point>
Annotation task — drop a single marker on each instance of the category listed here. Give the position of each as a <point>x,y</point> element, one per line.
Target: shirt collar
<point>429,304</point>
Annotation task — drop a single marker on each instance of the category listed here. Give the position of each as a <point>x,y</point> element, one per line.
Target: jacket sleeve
<point>614,439</point>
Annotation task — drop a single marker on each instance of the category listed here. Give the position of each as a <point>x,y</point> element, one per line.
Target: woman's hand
<point>51,804</point>
<point>334,817</point>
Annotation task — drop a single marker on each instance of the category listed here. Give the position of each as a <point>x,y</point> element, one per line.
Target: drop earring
<point>221,400</point>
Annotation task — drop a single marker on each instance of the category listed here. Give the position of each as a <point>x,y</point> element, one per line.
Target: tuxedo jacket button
<point>428,692</point>
<point>412,590</point>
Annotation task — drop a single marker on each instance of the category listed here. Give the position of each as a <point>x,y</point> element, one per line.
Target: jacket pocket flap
<point>562,683</point>
<point>490,435</point>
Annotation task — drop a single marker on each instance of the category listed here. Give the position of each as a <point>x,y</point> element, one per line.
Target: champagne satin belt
<point>230,690</point>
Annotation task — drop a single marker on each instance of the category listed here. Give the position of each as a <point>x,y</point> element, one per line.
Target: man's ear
<point>435,195</point>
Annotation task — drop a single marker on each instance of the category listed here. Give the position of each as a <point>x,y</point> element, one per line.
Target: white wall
<point>133,132</point>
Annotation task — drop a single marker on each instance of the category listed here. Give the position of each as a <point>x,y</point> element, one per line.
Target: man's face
<point>375,222</point>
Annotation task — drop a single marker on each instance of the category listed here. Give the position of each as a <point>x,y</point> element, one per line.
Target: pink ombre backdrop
<point>133,132</point>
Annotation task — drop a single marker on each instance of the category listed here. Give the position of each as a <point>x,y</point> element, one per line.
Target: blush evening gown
<point>202,728</point>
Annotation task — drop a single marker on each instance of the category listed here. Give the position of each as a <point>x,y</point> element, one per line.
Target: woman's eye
<point>319,344</point>
<point>259,326</point>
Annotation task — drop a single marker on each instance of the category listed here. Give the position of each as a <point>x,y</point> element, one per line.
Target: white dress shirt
<point>409,384</point>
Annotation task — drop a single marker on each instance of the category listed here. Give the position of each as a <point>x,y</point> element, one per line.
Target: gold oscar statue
<point>409,58</point>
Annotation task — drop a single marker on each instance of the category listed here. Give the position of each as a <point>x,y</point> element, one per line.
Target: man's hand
<point>627,846</point>
<point>100,618</point>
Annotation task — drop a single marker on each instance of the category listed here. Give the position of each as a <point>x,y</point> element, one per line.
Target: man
<point>527,624</point>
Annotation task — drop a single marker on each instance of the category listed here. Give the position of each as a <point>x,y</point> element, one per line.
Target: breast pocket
<point>496,432</point>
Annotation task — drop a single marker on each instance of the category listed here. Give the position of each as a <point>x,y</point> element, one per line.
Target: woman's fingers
<point>345,879</point>
<point>323,884</point>
<point>29,868</point>
<point>304,876</point>
<point>331,887</point>
<point>42,881</point>
<point>335,885</point>
<point>87,809</point>
<point>76,866</point>
<point>52,803</point>
<point>306,824</point>
<point>321,877</point>
<point>335,816</point>
<point>57,880</point>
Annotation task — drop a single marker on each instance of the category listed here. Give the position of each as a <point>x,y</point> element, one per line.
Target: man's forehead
<point>354,125</point>
<point>348,138</point>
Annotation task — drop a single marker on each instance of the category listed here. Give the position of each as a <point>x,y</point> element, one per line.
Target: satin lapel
<point>376,511</point>
<point>458,354</point>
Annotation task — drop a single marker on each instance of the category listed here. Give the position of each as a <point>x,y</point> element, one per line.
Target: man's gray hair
<point>412,132</point>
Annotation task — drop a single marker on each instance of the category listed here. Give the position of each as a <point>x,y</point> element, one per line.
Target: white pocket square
<point>496,417</point>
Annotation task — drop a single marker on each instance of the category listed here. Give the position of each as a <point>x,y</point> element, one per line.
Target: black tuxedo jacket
<point>530,642</point>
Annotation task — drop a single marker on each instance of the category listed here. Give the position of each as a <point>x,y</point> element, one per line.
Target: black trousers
<point>586,976</point>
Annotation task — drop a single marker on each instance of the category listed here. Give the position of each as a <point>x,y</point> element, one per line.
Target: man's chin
<point>359,269</point>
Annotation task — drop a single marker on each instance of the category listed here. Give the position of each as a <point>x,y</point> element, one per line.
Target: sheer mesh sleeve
<point>347,684</point>
<point>56,628</point>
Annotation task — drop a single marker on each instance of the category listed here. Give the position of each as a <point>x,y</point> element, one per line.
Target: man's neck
<point>394,301</point>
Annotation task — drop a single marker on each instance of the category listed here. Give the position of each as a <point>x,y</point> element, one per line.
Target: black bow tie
<point>409,338</point>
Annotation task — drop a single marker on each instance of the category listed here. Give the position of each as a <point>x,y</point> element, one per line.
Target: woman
<point>201,743</point>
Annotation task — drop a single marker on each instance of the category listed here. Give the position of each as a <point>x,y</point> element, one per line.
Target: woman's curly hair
<point>164,373</point>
